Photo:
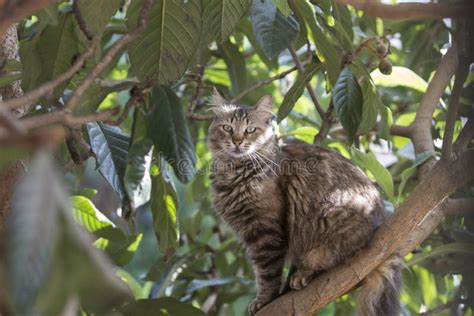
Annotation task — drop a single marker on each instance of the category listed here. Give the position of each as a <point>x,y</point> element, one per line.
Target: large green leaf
<point>222,16</point>
<point>160,307</point>
<point>283,6</point>
<point>110,147</point>
<point>296,91</point>
<point>164,50</point>
<point>137,173</point>
<point>274,32</point>
<point>50,53</point>
<point>32,233</point>
<point>164,208</point>
<point>400,76</point>
<point>97,13</point>
<point>167,127</point>
<point>379,172</point>
<point>326,50</point>
<point>348,100</point>
<point>119,246</point>
<point>235,62</point>
<point>85,213</point>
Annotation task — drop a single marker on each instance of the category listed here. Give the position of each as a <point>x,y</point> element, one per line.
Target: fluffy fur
<point>294,201</point>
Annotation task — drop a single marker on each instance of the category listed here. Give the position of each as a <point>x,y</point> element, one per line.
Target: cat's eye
<point>227,128</point>
<point>250,129</point>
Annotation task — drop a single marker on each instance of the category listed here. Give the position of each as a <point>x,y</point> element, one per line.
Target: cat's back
<point>328,180</point>
<point>320,163</point>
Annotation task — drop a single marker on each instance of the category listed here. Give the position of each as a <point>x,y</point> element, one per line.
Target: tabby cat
<point>294,201</point>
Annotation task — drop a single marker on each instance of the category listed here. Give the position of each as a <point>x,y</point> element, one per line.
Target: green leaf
<point>97,13</point>
<point>32,232</point>
<point>110,147</point>
<point>222,16</point>
<point>407,173</point>
<point>304,133</point>
<point>49,54</point>
<point>236,67</point>
<point>454,247</point>
<point>85,213</point>
<point>370,107</point>
<point>164,208</point>
<point>9,78</point>
<point>48,15</point>
<point>343,24</point>
<point>137,173</point>
<point>168,128</point>
<point>380,173</point>
<point>348,100</point>
<point>283,6</point>
<point>164,306</point>
<point>164,50</point>
<point>325,48</point>
<point>274,32</point>
<point>400,76</point>
<point>296,91</point>
<point>386,120</point>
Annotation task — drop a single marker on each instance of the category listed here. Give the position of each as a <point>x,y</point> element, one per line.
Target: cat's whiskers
<point>262,160</point>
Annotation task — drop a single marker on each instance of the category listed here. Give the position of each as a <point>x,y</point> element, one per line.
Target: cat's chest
<point>230,195</point>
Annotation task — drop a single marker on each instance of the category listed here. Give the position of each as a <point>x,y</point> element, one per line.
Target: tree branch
<point>421,127</point>
<point>262,83</point>
<point>80,20</point>
<point>467,133</point>
<point>33,96</point>
<point>410,11</point>
<point>391,237</point>
<point>404,131</point>
<point>310,90</point>
<point>108,57</point>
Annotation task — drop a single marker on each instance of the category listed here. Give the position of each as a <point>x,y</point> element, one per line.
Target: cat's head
<point>238,131</point>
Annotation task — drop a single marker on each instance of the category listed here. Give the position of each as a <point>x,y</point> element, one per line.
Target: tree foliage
<point>114,214</point>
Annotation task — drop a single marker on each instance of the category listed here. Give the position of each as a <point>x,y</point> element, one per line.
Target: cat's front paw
<point>301,279</point>
<point>256,305</point>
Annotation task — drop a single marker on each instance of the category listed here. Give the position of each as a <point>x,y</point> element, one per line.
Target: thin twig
<point>108,57</point>
<point>262,83</point>
<point>80,20</point>
<point>325,126</point>
<point>67,119</point>
<point>136,95</point>
<point>33,96</point>
<point>310,90</point>
<point>466,134</point>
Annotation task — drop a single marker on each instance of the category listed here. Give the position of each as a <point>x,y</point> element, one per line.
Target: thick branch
<point>398,130</point>
<point>427,195</point>
<point>12,11</point>
<point>410,11</point>
<point>421,127</point>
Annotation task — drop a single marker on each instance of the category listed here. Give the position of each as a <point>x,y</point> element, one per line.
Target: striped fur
<point>294,201</point>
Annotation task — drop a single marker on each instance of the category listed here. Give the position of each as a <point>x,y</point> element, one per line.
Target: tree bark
<point>9,50</point>
<point>399,235</point>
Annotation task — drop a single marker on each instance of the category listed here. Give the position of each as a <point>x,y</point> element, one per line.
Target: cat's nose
<point>237,142</point>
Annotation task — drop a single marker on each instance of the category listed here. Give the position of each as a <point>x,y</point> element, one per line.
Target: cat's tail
<point>380,294</point>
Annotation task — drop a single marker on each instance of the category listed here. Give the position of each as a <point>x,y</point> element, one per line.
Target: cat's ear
<point>216,99</point>
<point>265,103</point>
